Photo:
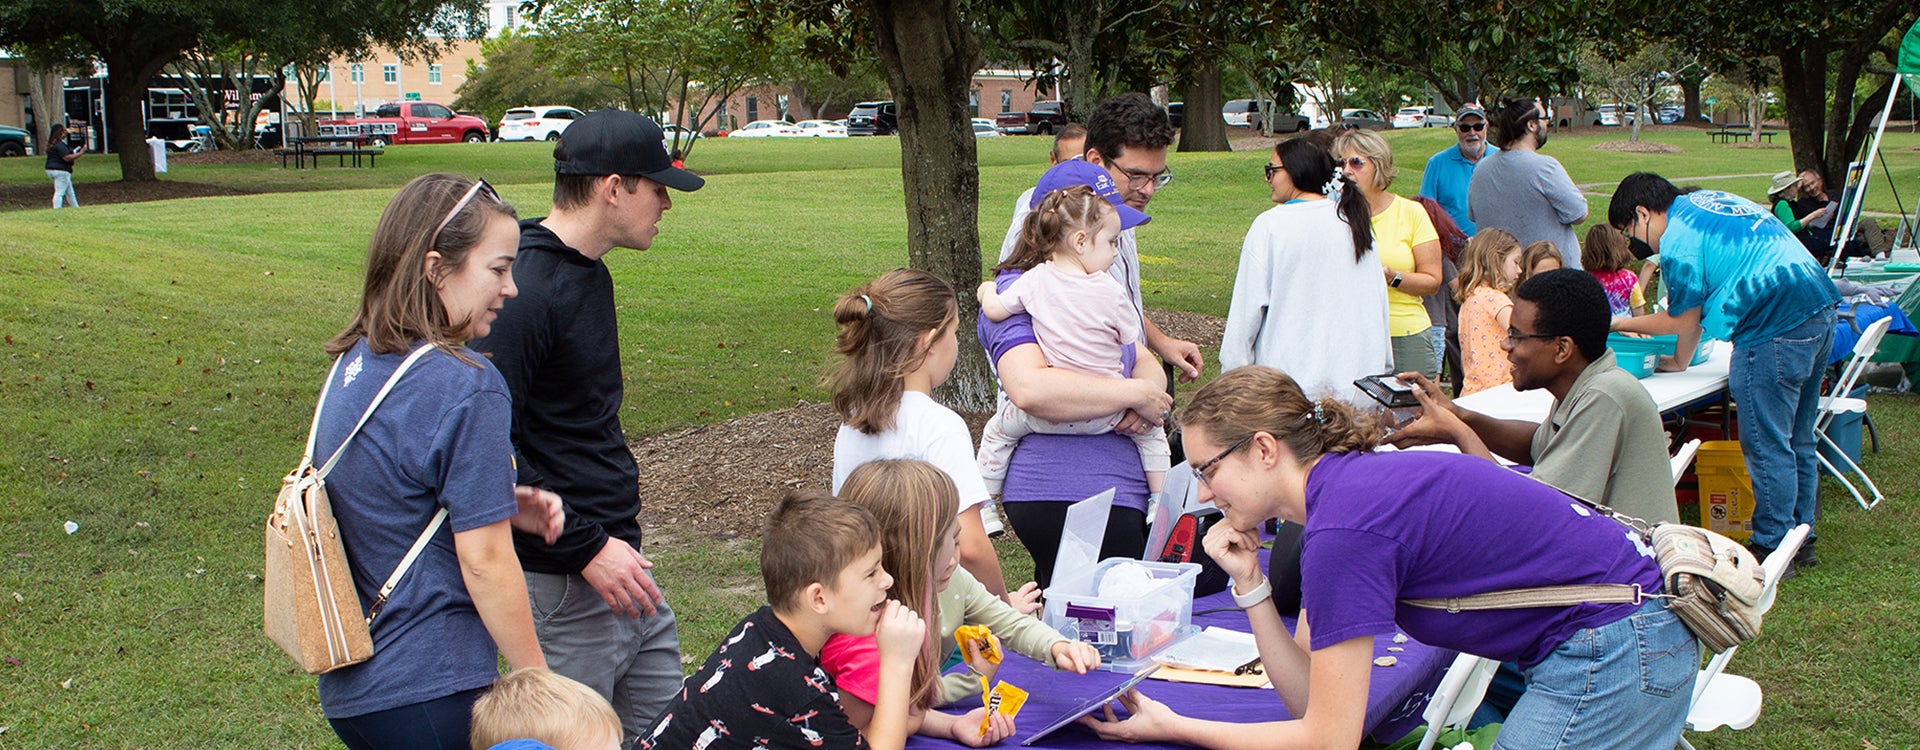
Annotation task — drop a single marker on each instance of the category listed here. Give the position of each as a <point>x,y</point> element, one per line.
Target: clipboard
<point>1089,705</point>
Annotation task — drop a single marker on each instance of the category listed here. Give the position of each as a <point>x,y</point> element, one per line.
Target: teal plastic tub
<point>1639,354</point>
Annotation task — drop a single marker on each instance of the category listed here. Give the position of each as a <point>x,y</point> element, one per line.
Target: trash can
<point>159,148</point>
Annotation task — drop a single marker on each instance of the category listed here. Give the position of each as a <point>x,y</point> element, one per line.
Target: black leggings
<point>440,723</point>
<point>1038,524</point>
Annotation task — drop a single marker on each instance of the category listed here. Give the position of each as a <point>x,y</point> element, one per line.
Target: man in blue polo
<point>1451,171</point>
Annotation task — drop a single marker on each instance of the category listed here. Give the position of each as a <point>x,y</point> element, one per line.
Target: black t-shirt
<point>761,689</point>
<point>57,156</point>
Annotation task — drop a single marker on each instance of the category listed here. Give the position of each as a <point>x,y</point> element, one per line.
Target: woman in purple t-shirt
<point>1385,527</point>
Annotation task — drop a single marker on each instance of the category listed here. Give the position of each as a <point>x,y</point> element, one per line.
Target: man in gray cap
<point>1451,171</point>
<point>601,618</point>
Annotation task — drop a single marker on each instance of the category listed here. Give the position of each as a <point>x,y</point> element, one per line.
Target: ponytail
<point>880,327</point>
<point>1255,398</point>
<point>1358,215</point>
<point>1061,211</point>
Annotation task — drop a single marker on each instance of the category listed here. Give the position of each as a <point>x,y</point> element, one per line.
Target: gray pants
<point>633,661</point>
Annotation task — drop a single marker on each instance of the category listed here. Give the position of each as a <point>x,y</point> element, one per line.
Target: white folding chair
<point>1683,458</point>
<point>1838,402</point>
<point>1458,696</point>
<point>1730,700</point>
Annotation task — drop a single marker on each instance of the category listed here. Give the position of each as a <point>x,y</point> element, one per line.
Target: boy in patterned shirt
<point>820,560</point>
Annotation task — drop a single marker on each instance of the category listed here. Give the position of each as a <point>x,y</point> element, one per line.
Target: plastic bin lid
<point>1081,534</point>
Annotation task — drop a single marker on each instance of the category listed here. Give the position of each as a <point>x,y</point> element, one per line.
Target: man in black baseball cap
<point>557,345</point>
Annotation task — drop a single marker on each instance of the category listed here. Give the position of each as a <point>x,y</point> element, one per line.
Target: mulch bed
<point>719,480</point>
<point>102,193</point>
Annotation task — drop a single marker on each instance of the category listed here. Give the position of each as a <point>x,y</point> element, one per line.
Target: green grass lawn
<point>158,363</point>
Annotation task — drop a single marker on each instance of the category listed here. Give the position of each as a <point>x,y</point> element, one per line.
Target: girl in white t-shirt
<point>1082,316</point>
<point>897,334</point>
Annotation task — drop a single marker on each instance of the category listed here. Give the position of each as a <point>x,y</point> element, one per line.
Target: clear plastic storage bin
<point>1128,631</point>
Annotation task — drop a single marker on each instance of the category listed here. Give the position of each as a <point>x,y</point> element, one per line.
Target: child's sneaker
<point>990,518</point>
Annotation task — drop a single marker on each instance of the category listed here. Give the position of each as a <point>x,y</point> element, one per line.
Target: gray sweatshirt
<point>1529,195</point>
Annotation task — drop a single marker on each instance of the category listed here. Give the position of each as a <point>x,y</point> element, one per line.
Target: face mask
<point>1639,247</point>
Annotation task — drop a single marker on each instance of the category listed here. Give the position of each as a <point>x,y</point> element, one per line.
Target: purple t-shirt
<point>1063,468</point>
<point>1421,524</point>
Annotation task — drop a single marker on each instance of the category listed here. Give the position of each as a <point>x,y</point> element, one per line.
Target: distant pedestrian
<point>1449,173</point>
<point>1523,191</point>
<point>60,159</point>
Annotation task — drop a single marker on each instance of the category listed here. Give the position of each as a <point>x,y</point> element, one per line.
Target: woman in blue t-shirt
<point>1382,528</point>
<point>439,266</point>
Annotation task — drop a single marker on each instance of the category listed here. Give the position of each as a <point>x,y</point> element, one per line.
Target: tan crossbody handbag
<point>312,611</point>
<point>1713,583</point>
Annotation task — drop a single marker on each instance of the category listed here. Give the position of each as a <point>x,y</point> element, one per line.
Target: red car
<point>411,122</point>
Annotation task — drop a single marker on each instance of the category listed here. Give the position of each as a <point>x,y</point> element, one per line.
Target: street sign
<point>413,96</point>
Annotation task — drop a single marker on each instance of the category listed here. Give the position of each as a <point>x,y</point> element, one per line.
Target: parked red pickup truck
<point>1043,119</point>
<point>410,122</point>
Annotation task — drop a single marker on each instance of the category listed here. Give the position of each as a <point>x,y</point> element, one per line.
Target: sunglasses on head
<point>480,187</point>
<point>1470,127</point>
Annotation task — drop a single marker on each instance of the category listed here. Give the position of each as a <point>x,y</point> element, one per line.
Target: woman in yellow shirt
<point>1408,247</point>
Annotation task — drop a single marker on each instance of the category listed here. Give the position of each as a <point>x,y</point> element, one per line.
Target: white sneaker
<point>990,518</point>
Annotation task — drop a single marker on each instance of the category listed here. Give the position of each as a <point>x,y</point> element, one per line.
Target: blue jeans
<point>63,188</point>
<point>1776,385</point>
<point>1420,352</point>
<point>441,723</point>
<point>1626,684</point>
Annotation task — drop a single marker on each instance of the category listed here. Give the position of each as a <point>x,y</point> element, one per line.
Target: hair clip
<point>1333,185</point>
<point>1319,414</point>
<point>869,301</point>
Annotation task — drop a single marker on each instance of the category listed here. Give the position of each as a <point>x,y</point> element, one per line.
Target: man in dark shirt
<point>558,346</point>
<point>60,158</point>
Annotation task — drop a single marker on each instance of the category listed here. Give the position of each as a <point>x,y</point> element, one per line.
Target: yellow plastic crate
<point>1726,492</point>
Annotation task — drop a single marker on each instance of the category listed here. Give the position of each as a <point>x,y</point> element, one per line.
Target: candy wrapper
<point>980,637</point>
<point>1004,699</point>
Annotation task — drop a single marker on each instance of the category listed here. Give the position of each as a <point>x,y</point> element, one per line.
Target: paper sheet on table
<point>1215,649</point>
<point>1209,677</point>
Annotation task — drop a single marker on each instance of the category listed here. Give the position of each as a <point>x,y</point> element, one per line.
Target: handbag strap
<point>377,398</point>
<point>1540,596</point>
<point>419,544</point>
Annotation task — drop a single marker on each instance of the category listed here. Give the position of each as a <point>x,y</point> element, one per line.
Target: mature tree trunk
<point>1690,96</point>
<point>129,72</point>
<point>49,104</point>
<point>930,57</point>
<point>1202,129</point>
<point>1082,29</point>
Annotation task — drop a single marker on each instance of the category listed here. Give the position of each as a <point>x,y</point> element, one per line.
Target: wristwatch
<point>1259,594</point>
<point>1395,283</point>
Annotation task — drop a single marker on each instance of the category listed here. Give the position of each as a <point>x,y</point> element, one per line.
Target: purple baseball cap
<point>1073,172</point>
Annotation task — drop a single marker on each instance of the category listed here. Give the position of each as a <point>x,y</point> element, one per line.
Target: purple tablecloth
<point>1395,696</point>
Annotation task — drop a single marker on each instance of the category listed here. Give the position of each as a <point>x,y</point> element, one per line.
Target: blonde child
<point>1488,269</point>
<point>914,504</point>
<point>1540,257</point>
<point>539,704</point>
<point>1082,316</point>
<point>1604,253</point>
<point>898,339</point>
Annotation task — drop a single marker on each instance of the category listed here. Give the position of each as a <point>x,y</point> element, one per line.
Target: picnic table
<point>1396,695</point>
<point>310,148</point>
<point>1738,131</point>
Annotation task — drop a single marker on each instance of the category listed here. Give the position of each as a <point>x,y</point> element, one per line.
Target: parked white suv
<point>542,123</point>
<point>1420,117</point>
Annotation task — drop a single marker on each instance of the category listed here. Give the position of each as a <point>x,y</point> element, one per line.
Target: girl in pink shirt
<point>1488,269</point>
<point>1085,320</point>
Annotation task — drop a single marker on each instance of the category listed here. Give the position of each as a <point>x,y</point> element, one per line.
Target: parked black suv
<point>873,118</point>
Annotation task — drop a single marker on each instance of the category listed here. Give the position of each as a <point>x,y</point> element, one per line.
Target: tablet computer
<point>1090,705</point>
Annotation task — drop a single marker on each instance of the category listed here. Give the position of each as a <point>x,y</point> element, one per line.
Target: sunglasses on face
<point>1353,162</point>
<point>1273,169</point>
<point>1470,127</point>
<point>480,187</point>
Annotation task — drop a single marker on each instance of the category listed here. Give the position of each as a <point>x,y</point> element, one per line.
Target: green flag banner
<point>1909,64</point>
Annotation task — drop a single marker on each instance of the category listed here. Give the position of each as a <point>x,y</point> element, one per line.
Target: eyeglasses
<point>1514,336</point>
<point>1470,127</point>
<point>1353,162</point>
<point>1202,470</point>
<point>480,187</point>
<point>1139,180</point>
<point>1273,169</point>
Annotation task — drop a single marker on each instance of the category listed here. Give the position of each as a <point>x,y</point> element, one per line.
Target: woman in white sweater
<point>1308,299</point>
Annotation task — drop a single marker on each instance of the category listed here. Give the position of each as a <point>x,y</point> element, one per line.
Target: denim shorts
<point>1626,684</point>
